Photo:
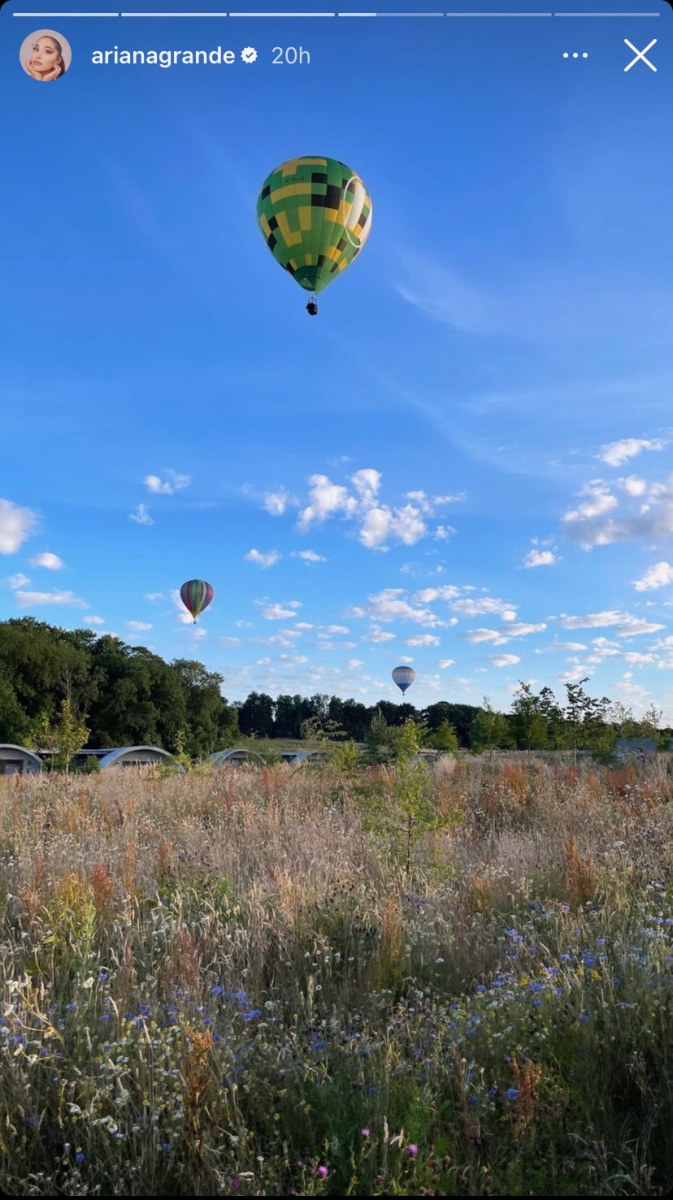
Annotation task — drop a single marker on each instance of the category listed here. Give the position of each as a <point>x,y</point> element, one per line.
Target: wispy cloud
<point>17,581</point>
<point>141,516</point>
<point>52,562</point>
<point>625,624</point>
<point>616,453</point>
<point>658,576</point>
<point>16,526</point>
<point>262,560</point>
<point>138,626</point>
<point>276,612</point>
<point>505,660</point>
<point>93,620</point>
<point>35,599</point>
<point>276,503</point>
<point>172,482</point>
<point>310,557</point>
<point>539,558</point>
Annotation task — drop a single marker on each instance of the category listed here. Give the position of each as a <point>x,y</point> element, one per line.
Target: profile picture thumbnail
<point>45,55</point>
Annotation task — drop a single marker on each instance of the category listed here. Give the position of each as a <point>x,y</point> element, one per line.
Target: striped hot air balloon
<point>196,595</point>
<point>404,677</point>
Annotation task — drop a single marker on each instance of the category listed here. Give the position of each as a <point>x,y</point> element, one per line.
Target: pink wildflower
<point>323,1172</point>
<point>412,1150</point>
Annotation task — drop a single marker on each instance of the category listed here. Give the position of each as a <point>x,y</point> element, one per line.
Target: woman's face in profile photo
<point>46,60</point>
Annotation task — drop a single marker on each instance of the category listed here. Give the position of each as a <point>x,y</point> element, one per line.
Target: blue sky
<point>465,462</point>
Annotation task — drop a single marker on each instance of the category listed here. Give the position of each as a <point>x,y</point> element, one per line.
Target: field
<point>455,980</point>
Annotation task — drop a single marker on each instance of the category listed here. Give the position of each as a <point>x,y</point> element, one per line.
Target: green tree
<point>490,730</point>
<point>445,739</point>
<point>528,722</point>
<point>379,738</point>
<point>62,738</point>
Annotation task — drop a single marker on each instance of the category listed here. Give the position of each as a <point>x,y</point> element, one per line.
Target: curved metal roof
<point>120,752</point>
<point>33,758</point>
<point>221,757</point>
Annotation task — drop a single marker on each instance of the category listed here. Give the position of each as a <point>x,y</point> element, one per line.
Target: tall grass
<point>231,983</point>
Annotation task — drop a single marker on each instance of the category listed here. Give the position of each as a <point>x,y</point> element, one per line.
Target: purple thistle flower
<point>412,1150</point>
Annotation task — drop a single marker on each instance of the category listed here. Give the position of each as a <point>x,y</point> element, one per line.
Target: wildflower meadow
<point>439,980</point>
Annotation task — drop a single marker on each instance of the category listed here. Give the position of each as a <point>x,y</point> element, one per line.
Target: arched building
<point>18,760</point>
<point>137,756</point>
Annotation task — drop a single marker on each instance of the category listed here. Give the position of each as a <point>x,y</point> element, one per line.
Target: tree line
<point>78,685</point>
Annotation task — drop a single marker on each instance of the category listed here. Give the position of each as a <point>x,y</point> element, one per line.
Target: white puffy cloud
<point>424,639</point>
<point>326,499</point>
<point>93,620</point>
<point>376,634</point>
<point>16,526</point>
<point>539,558</point>
<point>276,503</point>
<point>33,599</point>
<point>336,629</point>
<point>446,662</point>
<point>509,614</point>
<point>166,487</point>
<point>388,605</point>
<point>660,575</point>
<point>138,626</point>
<point>51,561</point>
<point>616,453</point>
<point>477,608</point>
<point>377,522</point>
<point>485,635</point>
<point>141,516</point>
<point>505,660</point>
<point>447,591</point>
<point>308,556</point>
<point>599,502</point>
<point>633,485</point>
<point>276,612</point>
<point>262,560</point>
<point>652,519</point>
<point>17,581</point>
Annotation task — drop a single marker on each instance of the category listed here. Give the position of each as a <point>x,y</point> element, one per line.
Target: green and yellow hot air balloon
<point>315,215</point>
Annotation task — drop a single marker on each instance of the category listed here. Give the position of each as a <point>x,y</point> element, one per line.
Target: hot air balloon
<point>404,677</point>
<point>315,215</point>
<point>196,595</point>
